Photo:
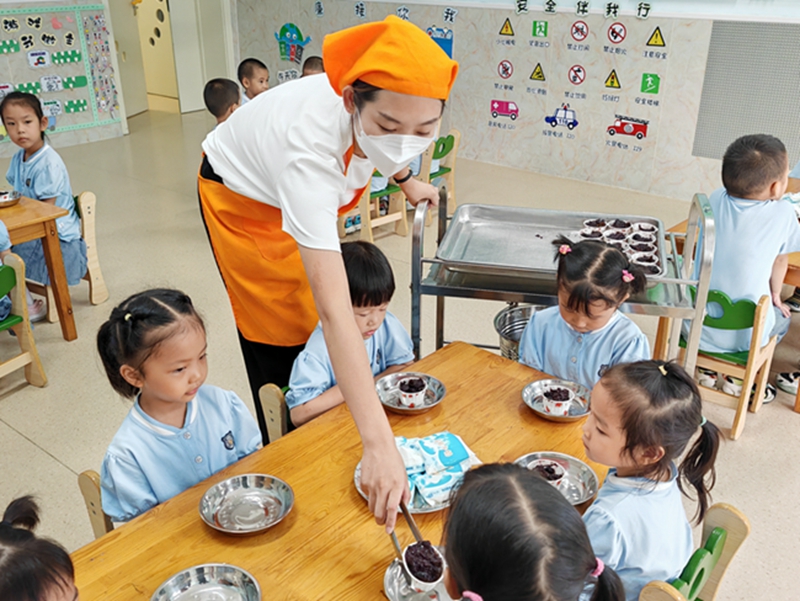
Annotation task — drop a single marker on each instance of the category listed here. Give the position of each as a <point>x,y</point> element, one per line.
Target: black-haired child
<point>179,431</point>
<point>221,97</point>
<point>37,171</point>
<point>643,417</point>
<point>312,385</point>
<point>586,333</point>
<point>254,77</point>
<point>313,65</point>
<point>511,535</point>
<point>32,568</point>
<point>754,232</point>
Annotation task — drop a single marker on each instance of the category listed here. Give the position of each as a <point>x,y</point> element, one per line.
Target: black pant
<point>264,363</point>
<point>267,364</point>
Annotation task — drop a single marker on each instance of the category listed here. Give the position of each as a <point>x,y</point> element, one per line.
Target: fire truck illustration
<point>628,126</point>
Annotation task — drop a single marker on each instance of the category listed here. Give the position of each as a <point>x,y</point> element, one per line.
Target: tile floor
<point>150,234</point>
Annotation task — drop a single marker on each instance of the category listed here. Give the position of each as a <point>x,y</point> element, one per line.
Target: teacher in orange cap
<point>275,177</point>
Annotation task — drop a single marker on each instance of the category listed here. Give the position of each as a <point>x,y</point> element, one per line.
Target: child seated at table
<point>312,385</point>
<point>221,97</point>
<point>586,333</point>
<point>179,431</point>
<point>32,568</point>
<point>5,250</point>
<point>511,535</point>
<point>37,171</point>
<point>254,77</point>
<point>643,417</point>
<point>754,232</point>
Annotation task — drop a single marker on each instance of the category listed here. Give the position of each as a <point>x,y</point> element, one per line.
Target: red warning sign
<point>505,69</point>
<point>579,31</point>
<point>617,32</point>
<point>577,74</point>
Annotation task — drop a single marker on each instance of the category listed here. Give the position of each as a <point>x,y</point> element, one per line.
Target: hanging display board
<point>62,54</point>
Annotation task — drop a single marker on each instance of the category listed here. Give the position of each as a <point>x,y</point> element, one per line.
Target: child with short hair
<point>754,233</point>
<point>586,333</point>
<point>179,430</point>
<point>221,97</point>
<point>312,385</point>
<point>313,65</point>
<point>32,568</point>
<point>38,172</point>
<point>254,77</point>
<point>512,535</point>
<point>643,417</point>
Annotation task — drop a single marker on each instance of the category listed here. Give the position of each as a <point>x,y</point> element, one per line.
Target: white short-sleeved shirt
<point>44,175</point>
<point>750,234</point>
<point>149,462</point>
<point>639,528</point>
<point>550,345</point>
<point>286,148</point>
<point>312,372</point>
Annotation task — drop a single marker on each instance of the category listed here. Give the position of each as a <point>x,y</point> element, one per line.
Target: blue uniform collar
<point>156,426</point>
<point>641,483</point>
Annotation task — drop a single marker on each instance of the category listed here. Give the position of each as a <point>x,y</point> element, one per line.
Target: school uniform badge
<point>228,440</point>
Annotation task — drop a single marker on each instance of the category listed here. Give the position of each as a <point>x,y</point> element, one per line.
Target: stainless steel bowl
<point>533,395</point>
<point>578,485</point>
<point>9,198</point>
<point>509,325</point>
<point>246,504</point>
<point>209,582</point>
<point>389,393</point>
<point>396,585</point>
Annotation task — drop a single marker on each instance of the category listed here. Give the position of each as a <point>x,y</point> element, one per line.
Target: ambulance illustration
<point>504,108</point>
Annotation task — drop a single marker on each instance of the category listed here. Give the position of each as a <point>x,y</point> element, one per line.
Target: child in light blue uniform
<point>5,250</point>
<point>754,232</point>
<point>511,535</point>
<point>312,385</point>
<point>37,171</point>
<point>179,431</point>
<point>586,333</point>
<point>643,417</point>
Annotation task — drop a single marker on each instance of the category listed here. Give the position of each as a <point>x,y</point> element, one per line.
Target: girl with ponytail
<point>511,536</point>
<point>644,416</point>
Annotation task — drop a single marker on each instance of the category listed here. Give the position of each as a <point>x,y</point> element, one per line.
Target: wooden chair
<point>725,528</point>
<point>370,211</point>
<point>86,205</point>
<point>751,366</point>
<point>12,281</point>
<point>445,151</point>
<point>273,404</point>
<point>89,483</point>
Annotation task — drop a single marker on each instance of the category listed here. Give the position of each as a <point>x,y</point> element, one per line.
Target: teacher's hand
<point>383,478</point>
<point>417,191</point>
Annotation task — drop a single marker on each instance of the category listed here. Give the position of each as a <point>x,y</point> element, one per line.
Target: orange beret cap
<point>392,54</point>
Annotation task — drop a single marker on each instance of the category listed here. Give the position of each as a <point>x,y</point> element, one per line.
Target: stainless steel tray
<point>517,241</point>
<point>578,485</point>
<point>389,394</point>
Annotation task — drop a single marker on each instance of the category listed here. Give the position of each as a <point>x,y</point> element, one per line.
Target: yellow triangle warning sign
<point>612,81</point>
<point>507,29</point>
<point>656,39</point>
<point>538,73</point>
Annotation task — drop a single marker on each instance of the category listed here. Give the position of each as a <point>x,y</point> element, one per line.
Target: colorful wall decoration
<point>63,55</point>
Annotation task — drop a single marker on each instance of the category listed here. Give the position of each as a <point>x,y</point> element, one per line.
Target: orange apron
<point>261,266</point>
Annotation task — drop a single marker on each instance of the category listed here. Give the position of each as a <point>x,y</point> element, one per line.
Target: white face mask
<point>389,153</point>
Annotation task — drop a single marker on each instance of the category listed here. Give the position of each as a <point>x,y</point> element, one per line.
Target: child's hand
<point>417,191</point>
<point>776,300</point>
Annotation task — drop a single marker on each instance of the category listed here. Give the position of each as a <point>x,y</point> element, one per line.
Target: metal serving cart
<point>670,295</point>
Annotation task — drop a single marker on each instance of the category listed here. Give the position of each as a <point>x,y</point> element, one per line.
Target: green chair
<point>11,274</point>
<point>751,366</point>
<point>725,528</point>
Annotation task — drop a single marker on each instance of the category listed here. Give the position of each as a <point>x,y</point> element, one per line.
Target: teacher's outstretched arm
<point>383,474</point>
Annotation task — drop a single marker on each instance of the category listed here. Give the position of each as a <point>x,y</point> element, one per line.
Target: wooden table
<point>31,219</point>
<point>329,546</point>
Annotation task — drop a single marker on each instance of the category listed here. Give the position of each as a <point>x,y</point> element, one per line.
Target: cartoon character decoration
<point>443,37</point>
<point>291,43</point>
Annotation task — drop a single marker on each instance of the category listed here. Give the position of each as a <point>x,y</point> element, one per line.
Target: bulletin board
<point>63,55</point>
